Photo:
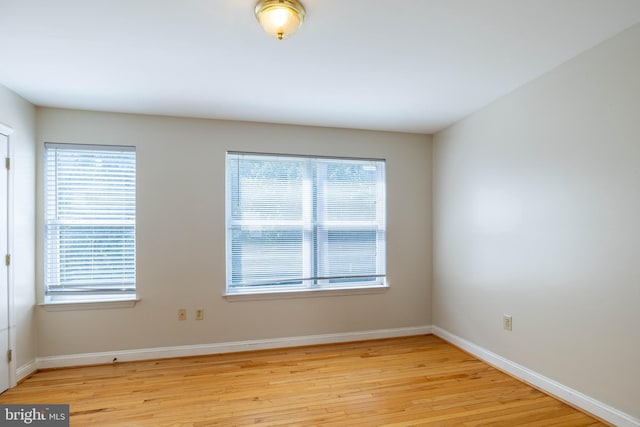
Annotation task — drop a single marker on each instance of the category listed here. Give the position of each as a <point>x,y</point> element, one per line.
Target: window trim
<point>246,293</point>
<point>87,304</point>
<point>306,293</point>
<point>71,301</point>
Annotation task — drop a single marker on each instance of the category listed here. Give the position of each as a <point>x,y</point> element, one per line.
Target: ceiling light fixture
<point>280,18</point>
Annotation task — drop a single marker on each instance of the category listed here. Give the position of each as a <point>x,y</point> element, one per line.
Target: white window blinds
<point>90,213</point>
<point>302,222</point>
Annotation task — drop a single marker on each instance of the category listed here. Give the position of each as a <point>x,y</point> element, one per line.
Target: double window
<point>304,223</point>
<point>90,222</point>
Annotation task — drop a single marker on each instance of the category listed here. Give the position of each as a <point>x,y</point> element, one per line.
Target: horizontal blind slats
<point>90,219</point>
<point>303,221</point>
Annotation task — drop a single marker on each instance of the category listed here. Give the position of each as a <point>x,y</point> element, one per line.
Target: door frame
<point>7,131</point>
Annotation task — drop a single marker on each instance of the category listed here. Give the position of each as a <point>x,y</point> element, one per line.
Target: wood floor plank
<point>409,381</point>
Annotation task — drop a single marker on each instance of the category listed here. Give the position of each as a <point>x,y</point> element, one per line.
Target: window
<point>90,222</point>
<point>302,223</point>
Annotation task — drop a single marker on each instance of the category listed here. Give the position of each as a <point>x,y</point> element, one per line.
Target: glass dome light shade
<point>280,18</point>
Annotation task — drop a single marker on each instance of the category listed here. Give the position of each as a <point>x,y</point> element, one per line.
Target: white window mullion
<point>322,233</point>
<point>308,265</point>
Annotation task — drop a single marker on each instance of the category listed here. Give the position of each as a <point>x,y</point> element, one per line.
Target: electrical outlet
<point>199,314</point>
<point>182,314</point>
<point>507,322</point>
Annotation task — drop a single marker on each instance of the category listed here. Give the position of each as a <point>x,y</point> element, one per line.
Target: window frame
<point>99,298</point>
<point>319,285</point>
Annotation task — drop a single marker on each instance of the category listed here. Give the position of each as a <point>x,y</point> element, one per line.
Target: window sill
<point>93,304</point>
<point>304,293</point>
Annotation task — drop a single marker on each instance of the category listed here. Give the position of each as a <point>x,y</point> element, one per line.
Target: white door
<point>4,269</point>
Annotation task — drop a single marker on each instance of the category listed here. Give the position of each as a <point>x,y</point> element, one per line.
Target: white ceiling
<point>413,65</point>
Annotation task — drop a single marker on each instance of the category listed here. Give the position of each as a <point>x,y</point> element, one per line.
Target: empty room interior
<point>321,212</point>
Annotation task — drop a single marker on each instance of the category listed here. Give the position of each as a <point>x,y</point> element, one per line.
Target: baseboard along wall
<point>218,348</point>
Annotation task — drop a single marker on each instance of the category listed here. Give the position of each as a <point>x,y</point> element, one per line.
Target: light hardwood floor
<point>411,381</point>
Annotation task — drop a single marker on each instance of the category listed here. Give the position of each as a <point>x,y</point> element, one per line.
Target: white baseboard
<point>217,348</point>
<point>554,388</point>
<point>25,370</point>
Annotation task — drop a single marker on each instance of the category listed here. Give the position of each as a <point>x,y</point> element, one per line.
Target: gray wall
<point>20,115</point>
<point>536,214</point>
<point>181,235</point>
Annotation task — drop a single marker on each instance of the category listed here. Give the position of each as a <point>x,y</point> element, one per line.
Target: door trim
<point>7,131</point>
